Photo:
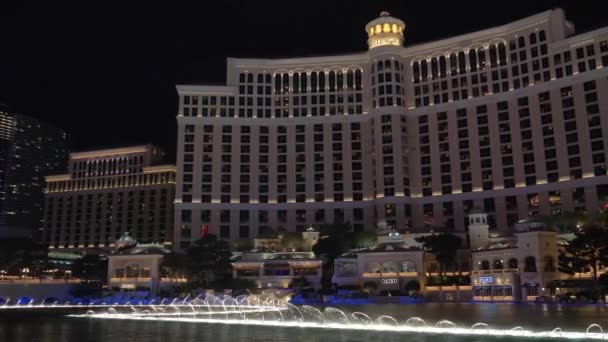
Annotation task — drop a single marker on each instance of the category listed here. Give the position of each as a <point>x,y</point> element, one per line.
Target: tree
<point>299,284</point>
<point>334,240</point>
<point>412,286</point>
<point>569,221</point>
<point>90,267</point>
<point>18,254</point>
<point>585,252</point>
<point>208,261</point>
<point>363,239</point>
<point>292,241</point>
<point>443,246</point>
<point>173,266</point>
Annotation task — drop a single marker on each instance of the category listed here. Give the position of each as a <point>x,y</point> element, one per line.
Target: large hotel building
<point>512,119</point>
<point>107,193</point>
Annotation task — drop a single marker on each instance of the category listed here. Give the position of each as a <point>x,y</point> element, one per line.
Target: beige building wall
<point>107,193</point>
<point>509,119</point>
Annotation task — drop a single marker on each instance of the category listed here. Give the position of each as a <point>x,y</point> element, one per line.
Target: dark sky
<point>106,71</point>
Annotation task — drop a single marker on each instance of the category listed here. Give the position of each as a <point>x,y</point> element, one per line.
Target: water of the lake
<point>35,327</point>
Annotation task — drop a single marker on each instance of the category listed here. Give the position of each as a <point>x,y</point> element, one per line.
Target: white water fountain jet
<point>589,331</point>
<point>415,322</point>
<point>112,311</point>
<point>162,302</point>
<point>179,314</point>
<point>480,325</point>
<point>361,317</point>
<point>330,311</point>
<point>387,320</point>
<point>133,309</point>
<point>185,299</point>
<point>193,311</point>
<point>445,324</point>
<point>314,313</point>
<point>296,312</point>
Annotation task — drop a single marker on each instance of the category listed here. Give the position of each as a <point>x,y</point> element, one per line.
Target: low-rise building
<point>520,267</point>
<point>388,266</point>
<point>134,267</point>
<point>270,269</point>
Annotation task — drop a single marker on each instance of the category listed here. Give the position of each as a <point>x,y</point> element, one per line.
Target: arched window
<point>424,70</point>
<point>473,59</point>
<point>416,72</point>
<point>321,81</point>
<point>462,63</point>
<point>502,54</point>
<point>513,264</point>
<point>549,264</point>
<point>350,80</point>
<point>395,28</point>
<point>434,68</point>
<point>250,78</point>
<point>481,54</point>
<point>386,28</point>
<point>277,84</point>
<point>521,42</point>
<point>498,264</point>
<point>260,78</point>
<point>453,64</point>
<point>132,271</point>
<point>268,78</point>
<point>408,266</point>
<point>296,83</point>
<point>332,81</point>
<point>542,36</point>
<point>390,267</point>
<point>303,82</point>
<point>485,265</point>
<point>442,66</point>
<point>493,56</point>
<point>285,83</point>
<point>242,78</point>
<point>530,264</point>
<point>532,38</point>
<point>380,66</point>
<point>313,82</point>
<point>340,80</point>
<point>387,65</point>
<point>358,79</point>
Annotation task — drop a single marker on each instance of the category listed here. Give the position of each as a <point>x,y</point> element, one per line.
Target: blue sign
<point>486,280</point>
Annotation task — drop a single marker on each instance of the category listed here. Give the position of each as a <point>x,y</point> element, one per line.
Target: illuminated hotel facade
<point>511,119</point>
<point>29,150</point>
<point>107,193</point>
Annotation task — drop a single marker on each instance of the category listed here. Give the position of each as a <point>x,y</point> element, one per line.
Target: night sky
<point>106,71</point>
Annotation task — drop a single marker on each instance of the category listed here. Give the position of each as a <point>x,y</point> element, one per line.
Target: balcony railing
<point>389,274</point>
<point>500,271</point>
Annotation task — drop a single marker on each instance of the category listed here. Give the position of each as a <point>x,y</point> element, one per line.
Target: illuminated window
<point>378,28</point>
<point>395,28</point>
<point>387,28</point>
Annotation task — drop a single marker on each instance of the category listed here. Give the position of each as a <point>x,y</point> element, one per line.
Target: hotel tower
<point>512,119</point>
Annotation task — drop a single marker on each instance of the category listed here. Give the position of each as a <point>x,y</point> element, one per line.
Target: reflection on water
<point>28,328</point>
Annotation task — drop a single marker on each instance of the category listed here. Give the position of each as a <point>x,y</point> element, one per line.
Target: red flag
<point>204,230</point>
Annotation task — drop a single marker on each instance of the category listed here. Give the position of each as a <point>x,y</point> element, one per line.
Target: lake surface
<point>37,327</point>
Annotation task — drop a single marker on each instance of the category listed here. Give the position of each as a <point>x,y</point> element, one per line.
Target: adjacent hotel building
<point>107,193</point>
<point>512,119</point>
<point>29,150</point>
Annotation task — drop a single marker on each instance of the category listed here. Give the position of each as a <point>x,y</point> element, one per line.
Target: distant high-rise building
<point>106,193</point>
<point>512,119</point>
<point>29,150</point>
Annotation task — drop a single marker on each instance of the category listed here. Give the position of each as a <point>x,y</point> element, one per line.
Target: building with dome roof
<point>510,119</point>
